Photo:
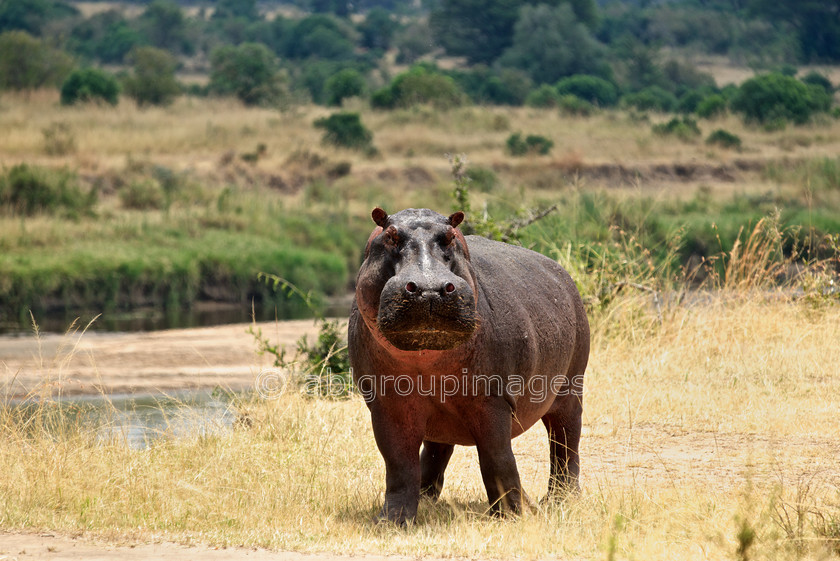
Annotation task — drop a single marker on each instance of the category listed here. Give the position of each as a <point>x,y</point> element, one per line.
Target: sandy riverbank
<point>177,359</point>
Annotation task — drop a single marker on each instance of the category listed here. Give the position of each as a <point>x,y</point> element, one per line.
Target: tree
<point>340,8</point>
<point>320,36</point>
<point>164,24</point>
<point>344,84</point>
<point>772,98</point>
<point>27,63</point>
<point>153,79</point>
<point>32,15</point>
<point>481,30</point>
<point>816,24</point>
<point>550,43</point>
<point>378,29</point>
<point>90,84</point>
<point>248,71</point>
<point>413,42</point>
<point>228,9</point>
<point>106,36</point>
<point>418,86</point>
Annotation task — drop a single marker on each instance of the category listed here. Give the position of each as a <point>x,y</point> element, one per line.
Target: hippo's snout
<point>422,311</point>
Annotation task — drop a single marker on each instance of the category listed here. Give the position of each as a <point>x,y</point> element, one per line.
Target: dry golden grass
<point>722,415</point>
<point>195,134</point>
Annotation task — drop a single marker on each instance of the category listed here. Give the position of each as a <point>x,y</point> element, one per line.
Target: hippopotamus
<point>461,340</point>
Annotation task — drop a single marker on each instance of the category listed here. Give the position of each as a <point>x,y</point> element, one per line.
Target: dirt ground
<point>31,547</point>
<point>174,359</point>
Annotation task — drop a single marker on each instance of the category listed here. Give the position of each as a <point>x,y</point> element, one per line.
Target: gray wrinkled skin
<point>433,307</point>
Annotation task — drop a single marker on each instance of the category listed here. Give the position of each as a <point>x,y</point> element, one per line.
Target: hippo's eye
<point>392,237</point>
<point>448,237</point>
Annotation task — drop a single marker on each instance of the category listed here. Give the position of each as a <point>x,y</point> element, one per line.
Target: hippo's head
<point>416,285</point>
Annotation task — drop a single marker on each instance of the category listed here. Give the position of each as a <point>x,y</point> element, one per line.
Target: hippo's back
<point>531,309</point>
<point>514,277</point>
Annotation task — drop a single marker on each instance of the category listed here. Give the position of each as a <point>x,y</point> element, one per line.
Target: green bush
<point>345,83</point>
<point>345,130</point>
<point>418,86</point>
<point>775,98</point>
<point>689,101</point>
<point>153,79</point>
<point>593,89</point>
<point>817,79</point>
<point>711,107</point>
<point>544,96</point>
<point>27,63</point>
<point>90,84</point>
<point>532,144</point>
<point>505,86</point>
<point>724,139</point>
<point>652,98</point>
<point>685,128</point>
<point>575,106</point>
<point>27,190</point>
<point>248,71</point>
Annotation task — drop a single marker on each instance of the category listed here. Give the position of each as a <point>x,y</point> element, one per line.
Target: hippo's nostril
<point>450,288</point>
<point>411,287</point>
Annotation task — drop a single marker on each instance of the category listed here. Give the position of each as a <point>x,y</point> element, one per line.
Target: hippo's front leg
<point>496,459</point>
<point>399,434</point>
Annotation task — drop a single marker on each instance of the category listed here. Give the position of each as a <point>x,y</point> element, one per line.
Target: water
<point>154,319</point>
<point>138,421</point>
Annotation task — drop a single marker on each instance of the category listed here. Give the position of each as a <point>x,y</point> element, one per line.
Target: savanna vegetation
<point>164,154</point>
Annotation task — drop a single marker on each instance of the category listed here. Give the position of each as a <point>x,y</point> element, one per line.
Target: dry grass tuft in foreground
<point>709,434</point>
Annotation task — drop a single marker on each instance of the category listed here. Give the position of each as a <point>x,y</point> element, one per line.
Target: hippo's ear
<point>379,216</point>
<point>456,218</point>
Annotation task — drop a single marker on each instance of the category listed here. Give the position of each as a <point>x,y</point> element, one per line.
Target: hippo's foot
<point>393,514</point>
<point>561,490</point>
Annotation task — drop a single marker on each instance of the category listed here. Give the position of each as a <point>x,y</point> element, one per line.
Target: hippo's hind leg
<point>433,461</point>
<point>563,422</point>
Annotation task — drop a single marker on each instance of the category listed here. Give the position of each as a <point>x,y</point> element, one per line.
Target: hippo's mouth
<point>431,339</point>
<point>431,328</point>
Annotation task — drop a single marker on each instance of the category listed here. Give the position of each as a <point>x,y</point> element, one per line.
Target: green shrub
<point>775,98</point>
<point>28,190</point>
<point>27,63</point>
<point>343,84</point>
<point>90,84</point>
<point>153,79</point>
<point>345,130</point>
<point>592,89</point>
<point>544,96</point>
<point>418,86</point>
<point>685,128</point>
<point>689,101</point>
<point>711,107</point>
<point>505,86</point>
<point>817,79</point>
<point>573,105</point>
<point>533,144</point>
<point>652,98</point>
<point>143,195</point>
<point>724,139</point>
<point>248,71</point>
